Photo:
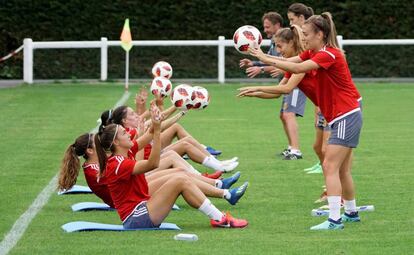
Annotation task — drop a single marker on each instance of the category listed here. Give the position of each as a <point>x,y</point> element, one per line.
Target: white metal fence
<point>221,43</point>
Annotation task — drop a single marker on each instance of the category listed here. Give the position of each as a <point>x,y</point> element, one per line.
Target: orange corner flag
<point>126,38</point>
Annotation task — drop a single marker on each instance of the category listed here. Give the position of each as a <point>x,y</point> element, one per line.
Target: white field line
<point>21,224</point>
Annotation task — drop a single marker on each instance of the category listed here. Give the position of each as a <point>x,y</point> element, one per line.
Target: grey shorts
<point>321,123</point>
<point>139,218</point>
<point>295,102</point>
<point>346,131</point>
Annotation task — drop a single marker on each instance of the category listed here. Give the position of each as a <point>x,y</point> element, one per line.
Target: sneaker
<point>215,175</point>
<point>186,157</point>
<point>317,170</point>
<point>352,217</point>
<point>227,182</point>
<point>237,193</point>
<point>284,153</point>
<point>292,156</point>
<point>329,225</point>
<point>212,151</point>
<point>229,167</point>
<point>317,165</point>
<point>229,161</point>
<point>227,221</point>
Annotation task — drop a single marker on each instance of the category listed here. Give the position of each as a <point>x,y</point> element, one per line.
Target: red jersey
<point>307,85</point>
<point>147,149</point>
<point>97,184</point>
<point>127,190</point>
<point>336,92</point>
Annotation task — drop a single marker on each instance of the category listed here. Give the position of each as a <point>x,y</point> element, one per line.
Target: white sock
<point>213,164</point>
<point>226,194</point>
<point>334,203</point>
<point>210,210</point>
<point>350,206</point>
<point>215,160</point>
<point>219,184</point>
<point>289,147</point>
<point>296,152</point>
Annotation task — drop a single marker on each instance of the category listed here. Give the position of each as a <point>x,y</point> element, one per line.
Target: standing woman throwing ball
<point>337,98</point>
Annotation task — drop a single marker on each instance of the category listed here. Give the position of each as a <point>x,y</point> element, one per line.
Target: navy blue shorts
<point>139,218</point>
<point>346,131</point>
<point>295,102</point>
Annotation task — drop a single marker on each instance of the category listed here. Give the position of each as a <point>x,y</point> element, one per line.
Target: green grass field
<point>38,122</point>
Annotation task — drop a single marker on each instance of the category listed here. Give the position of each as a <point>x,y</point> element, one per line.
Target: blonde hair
<point>291,34</point>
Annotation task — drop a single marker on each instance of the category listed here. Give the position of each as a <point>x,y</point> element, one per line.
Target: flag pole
<point>126,70</point>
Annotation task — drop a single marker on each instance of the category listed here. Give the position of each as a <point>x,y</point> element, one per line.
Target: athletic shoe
<point>227,221</point>
<point>229,167</point>
<point>329,225</point>
<point>292,156</point>
<point>186,157</point>
<point>317,165</point>
<point>212,151</point>
<point>284,153</point>
<point>227,182</point>
<point>237,193</point>
<point>229,161</point>
<point>317,170</point>
<point>215,175</point>
<point>353,217</point>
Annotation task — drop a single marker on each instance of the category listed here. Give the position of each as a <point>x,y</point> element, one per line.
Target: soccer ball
<point>245,37</point>
<point>161,86</point>
<point>200,98</point>
<point>181,97</point>
<point>162,69</point>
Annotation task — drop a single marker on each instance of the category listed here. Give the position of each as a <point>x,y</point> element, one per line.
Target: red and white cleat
<point>229,222</point>
<point>215,175</point>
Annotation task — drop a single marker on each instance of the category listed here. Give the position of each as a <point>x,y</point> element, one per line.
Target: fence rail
<point>29,46</point>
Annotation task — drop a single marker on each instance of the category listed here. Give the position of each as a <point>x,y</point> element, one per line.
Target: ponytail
<point>325,24</point>
<point>331,38</point>
<point>104,144</point>
<point>69,170</point>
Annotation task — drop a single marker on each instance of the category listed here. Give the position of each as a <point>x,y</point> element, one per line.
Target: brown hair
<point>291,34</point>
<point>69,170</point>
<point>118,114</point>
<point>301,9</point>
<point>104,143</point>
<point>273,17</point>
<point>325,24</point>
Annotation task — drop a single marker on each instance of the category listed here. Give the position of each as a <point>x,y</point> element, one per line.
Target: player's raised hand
<point>245,63</point>
<point>253,71</point>
<point>258,53</point>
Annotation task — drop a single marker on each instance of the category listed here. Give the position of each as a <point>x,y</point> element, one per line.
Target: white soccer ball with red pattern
<point>200,98</point>
<point>245,37</point>
<point>161,86</point>
<point>162,69</point>
<point>181,97</point>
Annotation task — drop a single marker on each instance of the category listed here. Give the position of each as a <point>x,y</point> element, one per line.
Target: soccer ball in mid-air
<point>161,86</point>
<point>162,69</point>
<point>181,97</point>
<point>245,37</point>
<point>200,98</point>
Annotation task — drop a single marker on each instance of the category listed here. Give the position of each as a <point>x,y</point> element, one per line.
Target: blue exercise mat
<point>89,206</point>
<point>76,189</point>
<point>77,226</point>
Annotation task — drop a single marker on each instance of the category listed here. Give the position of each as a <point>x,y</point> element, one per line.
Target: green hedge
<point>201,19</point>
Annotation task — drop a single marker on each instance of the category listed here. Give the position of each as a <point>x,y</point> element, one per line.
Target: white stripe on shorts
<point>295,95</point>
<point>344,129</point>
